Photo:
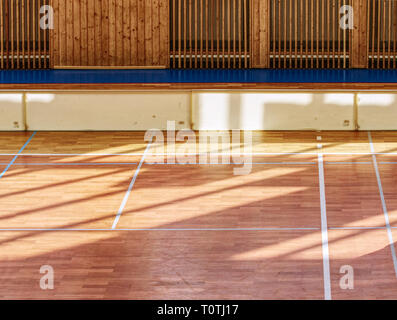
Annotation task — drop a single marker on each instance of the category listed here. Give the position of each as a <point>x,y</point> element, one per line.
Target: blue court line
<point>193,229</point>
<point>162,229</point>
<point>16,156</point>
<point>74,164</point>
<point>185,164</point>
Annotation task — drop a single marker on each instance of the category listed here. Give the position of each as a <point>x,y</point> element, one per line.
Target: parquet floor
<point>114,223</point>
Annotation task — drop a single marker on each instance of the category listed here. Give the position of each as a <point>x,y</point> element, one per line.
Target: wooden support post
<point>359,45</point>
<point>260,35</point>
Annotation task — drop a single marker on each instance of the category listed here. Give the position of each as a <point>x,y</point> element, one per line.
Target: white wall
<point>210,111</point>
<point>107,111</point>
<point>273,111</point>
<point>11,111</point>
<point>377,111</point>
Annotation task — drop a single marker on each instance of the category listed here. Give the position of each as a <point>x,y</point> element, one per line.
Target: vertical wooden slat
<point>69,49</point>
<point>333,26</point>
<point>45,48</point>
<point>232,34</point>
<point>379,33</point>
<point>285,32</point>
<point>302,32</point>
<point>12,32</point>
<point>322,4</point>
<point>105,21</point>
<point>91,32</point>
<point>218,9</point>
<point>39,31</point>
<point>318,33</point>
<point>383,35</point>
<point>207,43</point>
<point>312,33</point>
<point>59,32</point>
<point>201,33</point>
<point>190,27</point>
<point>1,35</point>
<point>54,36</point>
<point>39,36</point>
<point>291,24</point>
<point>18,23</point>
<point>75,37</point>
<point>326,35</point>
<point>229,32</point>
<point>295,18</point>
<point>196,38</point>
<point>173,24</point>
<point>83,33</point>
<point>179,33</point>
<point>343,43</point>
<point>223,33</point>
<point>6,33</point>
<point>277,30</point>
<point>184,32</point>
<point>394,32</point>
<point>307,32</point>
<point>141,32</point>
<point>210,24</point>
<point>164,33</point>
<point>98,36</point>
<point>389,31</point>
<point>134,32</point>
<point>112,33</point>
<point>373,29</point>
<point>125,33</point>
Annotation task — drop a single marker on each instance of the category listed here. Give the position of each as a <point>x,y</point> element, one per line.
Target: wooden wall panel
<point>110,33</point>
<point>260,35</point>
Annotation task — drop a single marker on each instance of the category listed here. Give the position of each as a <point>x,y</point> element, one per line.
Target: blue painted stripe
<point>198,76</point>
<point>16,156</point>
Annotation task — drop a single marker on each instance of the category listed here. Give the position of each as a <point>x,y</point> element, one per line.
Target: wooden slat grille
<point>23,44</point>
<point>307,34</point>
<point>210,33</point>
<point>382,26</point>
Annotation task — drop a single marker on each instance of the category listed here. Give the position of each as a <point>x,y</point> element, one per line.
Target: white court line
<point>232,163</point>
<point>324,230</point>
<point>162,229</point>
<point>348,162</point>
<point>356,228</point>
<point>382,197</point>
<point>124,202</point>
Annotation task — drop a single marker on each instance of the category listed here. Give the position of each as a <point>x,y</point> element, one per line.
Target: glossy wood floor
<point>114,223</point>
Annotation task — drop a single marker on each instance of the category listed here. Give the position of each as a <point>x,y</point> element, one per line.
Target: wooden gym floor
<point>114,225</point>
